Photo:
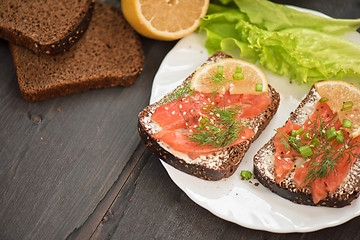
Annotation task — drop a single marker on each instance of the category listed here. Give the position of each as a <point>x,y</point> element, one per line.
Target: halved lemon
<point>207,79</point>
<point>343,99</point>
<point>164,19</point>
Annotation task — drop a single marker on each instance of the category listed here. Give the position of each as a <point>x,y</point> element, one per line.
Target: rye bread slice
<point>215,166</point>
<point>108,54</point>
<point>47,27</point>
<point>264,168</point>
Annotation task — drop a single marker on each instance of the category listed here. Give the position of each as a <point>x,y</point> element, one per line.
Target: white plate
<point>234,199</point>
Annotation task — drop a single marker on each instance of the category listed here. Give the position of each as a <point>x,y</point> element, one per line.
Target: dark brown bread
<point>227,160</point>
<point>264,169</point>
<point>109,54</point>
<point>47,27</point>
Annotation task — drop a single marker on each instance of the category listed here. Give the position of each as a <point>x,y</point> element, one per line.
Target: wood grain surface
<point>74,167</point>
<point>59,157</point>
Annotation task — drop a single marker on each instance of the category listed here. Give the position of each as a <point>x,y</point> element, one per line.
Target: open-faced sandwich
<point>205,126</point>
<point>314,158</point>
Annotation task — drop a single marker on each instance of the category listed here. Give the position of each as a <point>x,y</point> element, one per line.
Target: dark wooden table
<point>74,167</point>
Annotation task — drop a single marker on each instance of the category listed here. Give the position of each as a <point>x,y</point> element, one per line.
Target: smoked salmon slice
<point>318,122</point>
<point>180,117</point>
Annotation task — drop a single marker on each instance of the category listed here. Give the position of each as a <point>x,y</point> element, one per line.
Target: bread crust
<point>264,172</point>
<point>232,154</point>
<point>61,44</point>
<point>109,54</point>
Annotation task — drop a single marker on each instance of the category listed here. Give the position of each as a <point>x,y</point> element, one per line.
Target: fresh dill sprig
<point>180,92</point>
<point>318,131</point>
<point>218,128</point>
<point>218,81</point>
<point>290,141</point>
<point>326,157</point>
<point>325,160</point>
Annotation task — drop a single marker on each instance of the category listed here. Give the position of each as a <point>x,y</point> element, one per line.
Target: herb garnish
<point>326,152</point>
<point>325,160</point>
<point>246,174</point>
<point>289,141</point>
<point>180,92</point>
<point>218,128</point>
<point>218,81</point>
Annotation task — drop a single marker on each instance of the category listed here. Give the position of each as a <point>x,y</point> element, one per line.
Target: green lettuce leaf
<point>274,17</point>
<point>305,54</point>
<point>219,25</point>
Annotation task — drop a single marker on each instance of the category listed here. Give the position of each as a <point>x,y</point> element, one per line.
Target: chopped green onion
<point>245,174</point>
<point>259,87</point>
<point>330,134</point>
<point>204,121</point>
<point>238,76</point>
<point>315,142</point>
<point>307,135</point>
<point>340,136</point>
<point>346,123</point>
<point>323,99</point>
<point>295,133</point>
<point>300,131</point>
<point>347,105</point>
<point>220,70</point>
<point>306,151</point>
<point>238,70</point>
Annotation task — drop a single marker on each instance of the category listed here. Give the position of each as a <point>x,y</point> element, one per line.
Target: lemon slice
<point>253,82</point>
<point>164,19</point>
<point>343,99</point>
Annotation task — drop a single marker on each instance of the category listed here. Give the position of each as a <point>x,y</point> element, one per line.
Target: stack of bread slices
<point>60,47</point>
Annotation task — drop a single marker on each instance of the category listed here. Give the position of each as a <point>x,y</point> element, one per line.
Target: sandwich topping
<point>320,152</point>
<point>211,112</point>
